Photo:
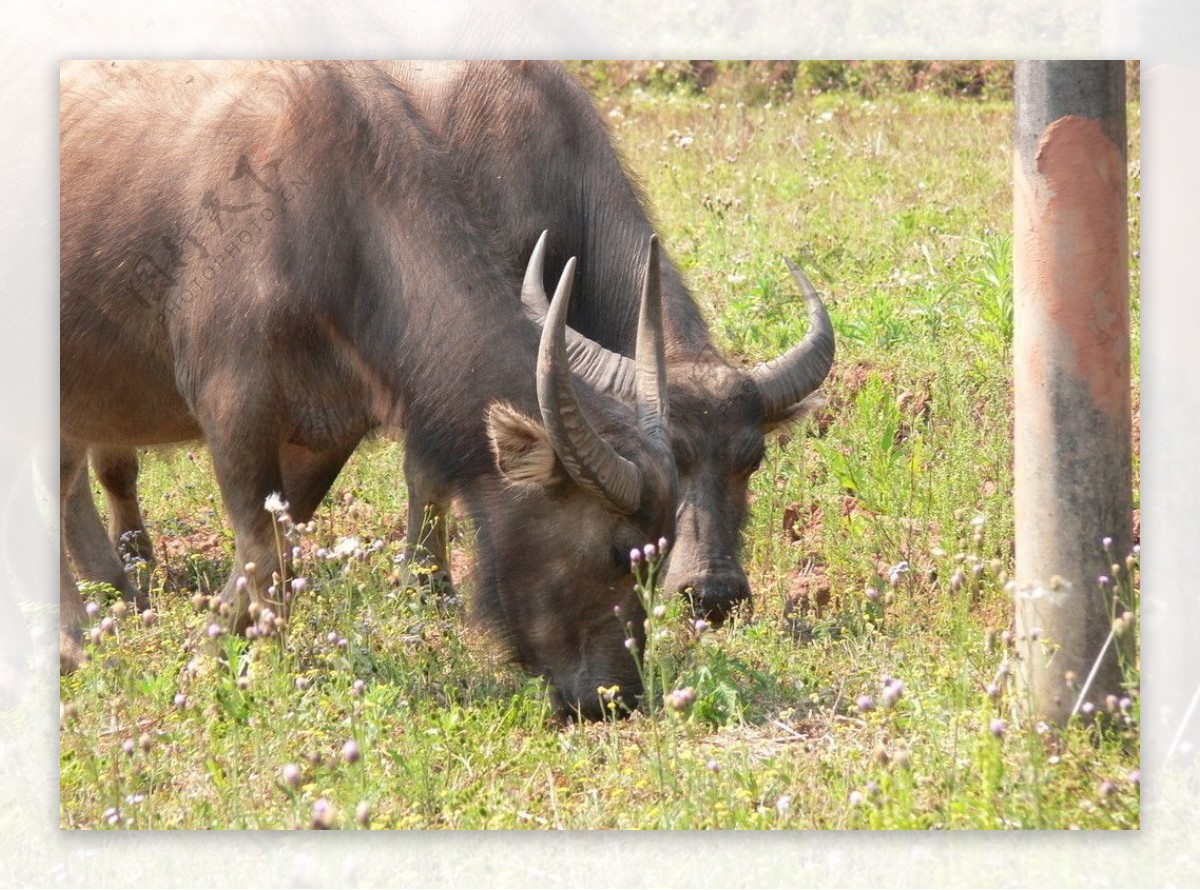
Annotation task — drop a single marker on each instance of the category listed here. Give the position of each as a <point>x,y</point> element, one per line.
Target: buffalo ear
<point>522,448</point>
<point>802,410</point>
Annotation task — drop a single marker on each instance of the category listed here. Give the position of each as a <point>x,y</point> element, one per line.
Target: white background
<point>1164,35</point>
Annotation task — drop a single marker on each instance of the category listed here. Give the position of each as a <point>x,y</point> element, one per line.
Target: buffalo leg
<point>117,470</point>
<point>83,531</point>
<point>427,538</point>
<point>245,450</point>
<point>71,614</point>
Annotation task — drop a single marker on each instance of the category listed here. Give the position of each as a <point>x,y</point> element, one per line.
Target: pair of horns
<point>587,457</point>
<point>782,382</point>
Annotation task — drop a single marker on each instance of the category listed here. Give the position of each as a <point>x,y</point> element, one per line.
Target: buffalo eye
<point>620,559</point>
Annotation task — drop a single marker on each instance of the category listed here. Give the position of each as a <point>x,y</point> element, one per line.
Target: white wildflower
<point>275,504</point>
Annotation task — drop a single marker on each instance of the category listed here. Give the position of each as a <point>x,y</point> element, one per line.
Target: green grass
<point>898,208</point>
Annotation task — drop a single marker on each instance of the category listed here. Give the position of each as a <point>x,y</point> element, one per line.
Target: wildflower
<point>251,568</point>
<point>701,625</point>
<point>180,700</point>
<point>356,690</point>
<point>94,635</point>
<point>1087,709</point>
<point>650,551</point>
<point>635,556</point>
<point>865,703</point>
<point>617,610</point>
<point>346,547</point>
<point>663,544</point>
<point>214,630</point>
<point>275,504</point>
<point>992,691</point>
<point>783,805</point>
<point>856,799</point>
<point>128,746</point>
<point>322,814</point>
<point>149,618</point>
<point>1106,788</point>
<point>871,594</point>
<point>1110,702</point>
<point>893,690</point>
<point>1124,703</point>
<point>362,813</point>
<point>322,553</point>
<point>299,585</point>
<point>680,699</point>
<point>978,521</point>
<point>119,608</point>
<point>92,610</point>
<point>956,580</point>
<point>303,683</point>
<point>1103,580</point>
<point>1107,542</point>
<point>350,751</point>
<point>1135,776</point>
<point>332,636</point>
<point>897,571</point>
<point>112,816</point>
<point>630,643</point>
<point>145,741</point>
<point>107,626</point>
<point>713,766</point>
<point>292,776</point>
<point>997,727</point>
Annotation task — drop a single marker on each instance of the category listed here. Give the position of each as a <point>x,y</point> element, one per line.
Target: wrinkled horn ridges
<point>785,381</point>
<point>606,371</point>
<point>589,460</point>
<point>652,404</point>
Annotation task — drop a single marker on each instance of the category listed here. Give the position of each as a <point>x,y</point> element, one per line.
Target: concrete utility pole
<point>1072,469</point>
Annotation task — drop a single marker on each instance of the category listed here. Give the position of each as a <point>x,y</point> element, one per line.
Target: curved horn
<point>652,410</point>
<point>589,460</point>
<point>784,381</point>
<point>607,371</point>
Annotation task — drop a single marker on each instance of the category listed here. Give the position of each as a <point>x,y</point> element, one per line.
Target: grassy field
<point>868,690</point>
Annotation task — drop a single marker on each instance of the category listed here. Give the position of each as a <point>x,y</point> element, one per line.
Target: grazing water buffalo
<point>534,154</point>
<point>277,258</point>
<point>528,144</point>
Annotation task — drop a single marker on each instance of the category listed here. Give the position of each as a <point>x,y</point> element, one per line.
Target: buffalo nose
<point>715,598</point>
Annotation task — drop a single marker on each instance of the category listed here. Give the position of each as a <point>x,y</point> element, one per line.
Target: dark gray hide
<point>276,258</point>
<point>534,154</point>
